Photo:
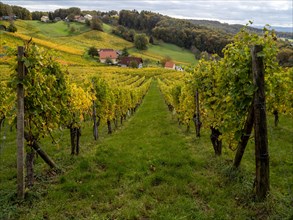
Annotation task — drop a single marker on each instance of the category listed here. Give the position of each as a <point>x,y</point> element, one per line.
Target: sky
<point>261,12</point>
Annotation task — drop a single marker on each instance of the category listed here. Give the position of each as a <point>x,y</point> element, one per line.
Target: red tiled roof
<point>169,64</point>
<point>104,54</point>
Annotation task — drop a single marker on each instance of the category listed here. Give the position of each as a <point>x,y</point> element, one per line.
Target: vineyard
<point>101,144</point>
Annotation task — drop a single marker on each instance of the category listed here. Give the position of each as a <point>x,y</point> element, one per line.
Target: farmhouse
<point>108,55</point>
<point>129,61</point>
<point>88,17</point>
<point>45,18</point>
<point>7,18</point>
<point>79,18</point>
<point>170,65</point>
<point>179,68</point>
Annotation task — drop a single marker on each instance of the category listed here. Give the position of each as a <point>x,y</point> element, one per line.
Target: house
<point>127,61</point>
<point>79,18</point>
<point>170,65</point>
<point>179,68</point>
<point>7,18</point>
<point>108,55</point>
<point>88,17</point>
<point>45,18</point>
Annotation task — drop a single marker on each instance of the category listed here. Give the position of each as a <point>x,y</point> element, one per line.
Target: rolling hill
<point>72,40</point>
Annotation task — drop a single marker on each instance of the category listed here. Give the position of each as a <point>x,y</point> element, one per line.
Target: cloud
<point>274,12</point>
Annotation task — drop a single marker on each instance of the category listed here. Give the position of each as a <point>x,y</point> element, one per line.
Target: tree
<point>70,17</point>
<point>140,41</point>
<point>50,15</point>
<point>21,13</point>
<point>93,51</point>
<point>97,24</point>
<point>125,52</point>
<point>11,28</point>
<point>165,59</point>
<point>5,10</point>
<point>88,22</point>
<point>36,15</point>
<point>133,64</point>
<point>151,41</point>
<point>72,29</point>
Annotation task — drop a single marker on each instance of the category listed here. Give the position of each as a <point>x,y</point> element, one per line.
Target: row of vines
<point>53,100</point>
<point>219,93</point>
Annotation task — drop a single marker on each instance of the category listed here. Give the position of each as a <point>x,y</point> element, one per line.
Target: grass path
<point>149,166</point>
<point>143,171</point>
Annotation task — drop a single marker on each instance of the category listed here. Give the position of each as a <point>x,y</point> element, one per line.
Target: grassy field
<point>148,169</point>
<point>162,50</point>
<point>50,30</point>
<point>58,36</point>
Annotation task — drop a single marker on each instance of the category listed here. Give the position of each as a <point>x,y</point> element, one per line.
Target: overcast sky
<point>261,12</point>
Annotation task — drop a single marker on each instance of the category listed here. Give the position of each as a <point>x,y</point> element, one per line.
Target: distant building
<point>79,18</point>
<point>88,17</point>
<point>45,18</point>
<point>7,18</point>
<point>108,55</point>
<point>170,65</point>
<point>126,61</point>
<point>179,68</point>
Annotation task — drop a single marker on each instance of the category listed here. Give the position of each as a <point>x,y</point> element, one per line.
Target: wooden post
<point>20,126</point>
<point>260,126</point>
<point>95,128</point>
<point>245,136</point>
<point>197,118</point>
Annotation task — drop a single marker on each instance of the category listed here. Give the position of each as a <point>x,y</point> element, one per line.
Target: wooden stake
<point>260,126</point>
<point>20,126</point>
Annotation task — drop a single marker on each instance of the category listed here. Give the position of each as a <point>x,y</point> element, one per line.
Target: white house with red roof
<point>170,65</point>
<point>107,55</point>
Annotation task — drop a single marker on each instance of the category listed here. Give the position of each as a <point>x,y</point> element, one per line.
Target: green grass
<point>107,28</point>
<point>149,169</point>
<point>50,30</point>
<point>162,50</point>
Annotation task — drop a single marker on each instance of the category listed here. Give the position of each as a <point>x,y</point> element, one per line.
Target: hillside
<point>73,40</point>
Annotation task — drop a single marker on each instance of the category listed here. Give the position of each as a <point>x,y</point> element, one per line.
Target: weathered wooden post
<point>197,114</point>
<point>262,182</point>
<point>95,127</point>
<point>246,132</point>
<point>20,126</point>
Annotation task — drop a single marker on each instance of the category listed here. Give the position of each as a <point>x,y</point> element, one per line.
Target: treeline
<point>176,31</point>
<point>12,10</point>
<point>199,36</point>
<point>235,28</point>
